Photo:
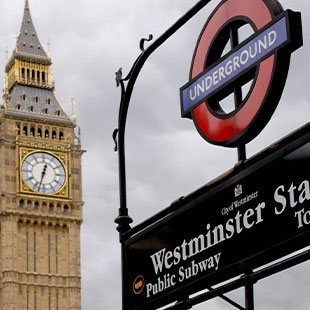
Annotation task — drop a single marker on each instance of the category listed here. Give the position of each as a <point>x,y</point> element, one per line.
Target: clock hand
<point>42,176</point>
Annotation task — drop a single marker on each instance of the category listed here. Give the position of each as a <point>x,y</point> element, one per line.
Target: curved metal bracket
<point>123,220</point>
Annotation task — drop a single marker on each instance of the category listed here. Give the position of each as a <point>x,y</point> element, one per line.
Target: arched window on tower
<point>39,132</point>
<point>54,134</point>
<point>33,75</point>
<point>21,203</point>
<point>61,135</point>
<point>25,131</point>
<point>23,74</point>
<point>43,77</point>
<point>47,133</point>
<point>32,132</point>
<point>66,209</point>
<point>18,129</point>
<point>58,208</point>
<point>28,74</point>
<point>36,205</point>
<point>51,207</point>
<point>38,76</point>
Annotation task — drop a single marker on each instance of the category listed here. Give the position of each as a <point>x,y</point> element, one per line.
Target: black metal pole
<point>241,153</point>
<point>123,220</point>
<point>249,296</point>
<point>234,41</point>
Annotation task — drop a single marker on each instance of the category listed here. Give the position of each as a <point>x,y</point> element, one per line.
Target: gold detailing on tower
<point>29,73</point>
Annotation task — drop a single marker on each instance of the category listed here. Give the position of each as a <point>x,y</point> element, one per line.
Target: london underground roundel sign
<point>222,68</point>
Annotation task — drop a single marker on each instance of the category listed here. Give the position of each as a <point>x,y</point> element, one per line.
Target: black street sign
<point>258,212</point>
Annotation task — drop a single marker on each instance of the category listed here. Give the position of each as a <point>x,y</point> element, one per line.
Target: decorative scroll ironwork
<point>142,41</point>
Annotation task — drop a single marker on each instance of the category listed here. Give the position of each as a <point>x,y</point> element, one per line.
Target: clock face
<point>43,172</point>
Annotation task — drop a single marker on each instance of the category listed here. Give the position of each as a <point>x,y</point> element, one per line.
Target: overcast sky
<point>166,158</point>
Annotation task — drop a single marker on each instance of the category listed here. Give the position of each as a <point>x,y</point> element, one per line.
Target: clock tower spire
<point>30,89</point>
<point>40,185</point>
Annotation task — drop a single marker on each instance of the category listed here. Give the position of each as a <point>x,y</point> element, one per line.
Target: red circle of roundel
<point>234,129</point>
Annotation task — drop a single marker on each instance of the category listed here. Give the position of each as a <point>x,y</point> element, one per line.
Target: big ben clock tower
<point>40,186</point>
